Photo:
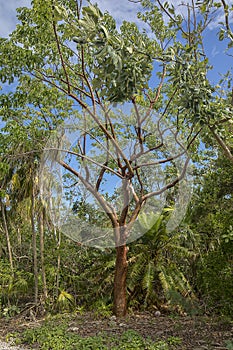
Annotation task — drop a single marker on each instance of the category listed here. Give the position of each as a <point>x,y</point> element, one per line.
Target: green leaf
<point>60,13</point>
<point>93,12</point>
<point>221,34</point>
<point>129,49</point>
<point>104,31</point>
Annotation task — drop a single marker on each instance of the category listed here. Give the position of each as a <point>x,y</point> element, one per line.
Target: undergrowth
<point>53,336</point>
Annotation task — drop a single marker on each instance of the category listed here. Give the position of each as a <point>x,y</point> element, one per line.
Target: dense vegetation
<point>66,60</point>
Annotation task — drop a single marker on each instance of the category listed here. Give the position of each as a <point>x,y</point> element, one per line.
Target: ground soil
<point>199,332</point>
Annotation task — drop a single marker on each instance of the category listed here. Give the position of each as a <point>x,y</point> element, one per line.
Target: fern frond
<point>148,279</point>
<point>147,282</point>
<point>165,279</point>
<point>137,270</point>
<point>181,251</point>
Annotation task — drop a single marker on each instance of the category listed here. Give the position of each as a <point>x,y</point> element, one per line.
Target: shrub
<point>215,279</point>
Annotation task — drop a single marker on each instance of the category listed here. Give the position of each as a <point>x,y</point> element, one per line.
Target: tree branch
<point>109,210</point>
<point>93,116</point>
<point>60,54</point>
<point>222,144</point>
<point>85,157</point>
<point>225,7</point>
<point>170,185</point>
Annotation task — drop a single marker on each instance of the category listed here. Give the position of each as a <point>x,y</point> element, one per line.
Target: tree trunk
<point>34,247</point>
<point>7,236</point>
<point>58,262</point>
<point>120,301</point>
<point>41,230</point>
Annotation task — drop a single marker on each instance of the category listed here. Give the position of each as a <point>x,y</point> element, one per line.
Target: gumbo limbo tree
<point>115,150</point>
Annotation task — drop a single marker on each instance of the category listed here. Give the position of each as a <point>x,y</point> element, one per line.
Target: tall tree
<point>71,60</point>
<point>214,108</point>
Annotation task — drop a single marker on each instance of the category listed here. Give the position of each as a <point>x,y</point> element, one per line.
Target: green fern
<point>147,281</point>
<point>136,270</point>
<point>154,263</point>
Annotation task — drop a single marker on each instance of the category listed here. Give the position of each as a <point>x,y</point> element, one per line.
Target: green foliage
<point>211,216</point>
<point>215,279</point>
<point>118,62</point>
<point>121,65</point>
<point>101,309</point>
<point>155,262</point>
<point>57,337</point>
<point>14,287</point>
<point>10,311</point>
<point>229,345</point>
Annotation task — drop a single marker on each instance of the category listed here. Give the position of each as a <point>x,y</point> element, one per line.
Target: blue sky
<point>124,9</point>
<point>120,9</point>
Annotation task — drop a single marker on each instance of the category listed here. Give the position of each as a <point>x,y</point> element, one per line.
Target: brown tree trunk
<point>58,262</point>
<point>120,300</point>
<point>34,246</point>
<point>7,236</point>
<point>41,230</point>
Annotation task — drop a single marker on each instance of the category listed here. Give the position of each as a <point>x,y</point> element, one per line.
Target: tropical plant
<point>158,265</point>
<point>211,217</point>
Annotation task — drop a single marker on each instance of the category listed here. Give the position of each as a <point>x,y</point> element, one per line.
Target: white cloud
<point>120,9</point>
<point>216,19</point>
<point>214,51</point>
<point>8,14</point>
<point>181,7</point>
<point>220,17</point>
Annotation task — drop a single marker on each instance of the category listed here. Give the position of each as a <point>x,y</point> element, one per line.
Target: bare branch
<point>140,182</point>
<point>76,88</point>
<point>139,126</point>
<point>94,117</point>
<point>158,92</point>
<point>170,185</point>
<point>133,192</point>
<point>113,134</point>
<point>125,210</point>
<point>160,85</point>
<point>79,4</point>
<point>85,157</point>
<point>83,153</point>
<point>169,102</point>
<point>135,213</point>
<point>87,81</point>
<point>162,161</point>
<point>109,210</point>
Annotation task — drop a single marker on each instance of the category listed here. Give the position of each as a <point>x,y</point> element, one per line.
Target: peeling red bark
<point>120,300</point>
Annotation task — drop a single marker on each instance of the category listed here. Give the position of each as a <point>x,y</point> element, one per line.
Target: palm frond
<point>148,279</point>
